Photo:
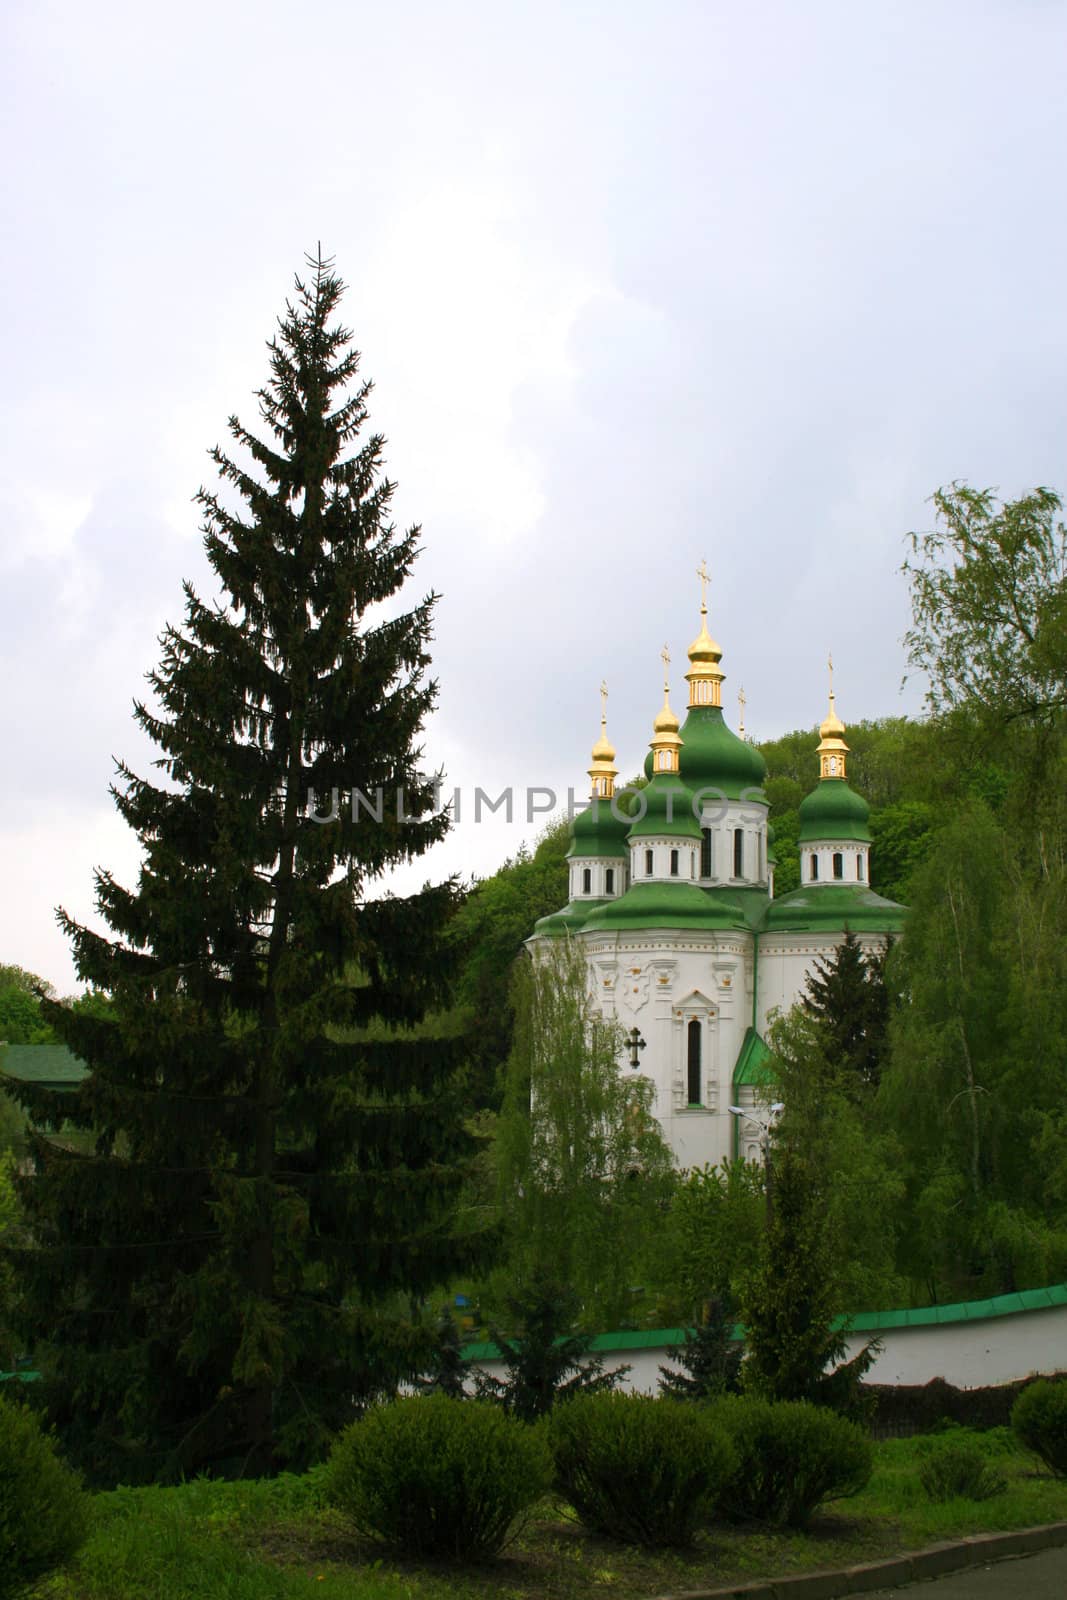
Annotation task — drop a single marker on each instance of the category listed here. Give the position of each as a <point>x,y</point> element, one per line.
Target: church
<point>674,905</point>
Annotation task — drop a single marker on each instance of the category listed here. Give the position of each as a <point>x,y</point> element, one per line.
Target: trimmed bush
<point>791,1458</point>
<point>434,1476</point>
<point>43,1509</point>
<point>1039,1418</point>
<point>641,1470</point>
<point>955,1466</point>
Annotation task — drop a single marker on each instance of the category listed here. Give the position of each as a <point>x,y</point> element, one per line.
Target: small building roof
<point>52,1066</point>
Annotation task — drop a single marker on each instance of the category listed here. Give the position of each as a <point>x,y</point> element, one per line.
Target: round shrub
<point>43,1508</point>
<point>1039,1418</point>
<point>791,1457</point>
<point>957,1467</point>
<point>641,1470</point>
<point>434,1476</point>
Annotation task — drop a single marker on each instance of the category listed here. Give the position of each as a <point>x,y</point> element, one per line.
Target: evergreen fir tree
<point>791,1301</point>
<point>847,994</point>
<point>710,1357</point>
<point>546,1361</point>
<point>446,1371</point>
<point>277,1146</point>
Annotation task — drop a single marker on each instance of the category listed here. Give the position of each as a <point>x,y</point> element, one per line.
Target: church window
<point>859,866</point>
<point>814,873</point>
<point>839,864</point>
<point>648,863</point>
<point>739,852</point>
<point>587,881</point>
<point>609,880</point>
<point>674,863</point>
<point>705,852</point>
<point>693,1062</point>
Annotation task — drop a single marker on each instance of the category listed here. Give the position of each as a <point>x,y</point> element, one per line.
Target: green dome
<point>597,831</point>
<point>715,758</point>
<point>646,766</point>
<point>666,792</point>
<point>833,811</point>
<point>834,907</point>
<point>663,905</point>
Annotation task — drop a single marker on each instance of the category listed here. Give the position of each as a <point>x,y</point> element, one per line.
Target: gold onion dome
<point>603,771</point>
<point>705,676</point>
<point>666,741</point>
<point>832,749</point>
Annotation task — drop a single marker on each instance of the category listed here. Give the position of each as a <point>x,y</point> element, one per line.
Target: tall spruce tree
<point>846,993</point>
<point>277,1148</point>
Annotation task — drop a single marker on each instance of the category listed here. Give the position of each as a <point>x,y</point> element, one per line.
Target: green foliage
<point>490,929</point>
<point>1039,1418</point>
<point>989,602</point>
<point>639,1470</point>
<point>710,1358</point>
<point>791,1458</point>
<point>958,1468</point>
<point>579,1181</point>
<point>791,1299</point>
<point>429,1476</point>
<point>708,1237</point>
<point>223,1279</point>
<point>43,1508</point>
<point>846,995</point>
<point>446,1371</point>
<point>546,1359</point>
<point>21,1020</point>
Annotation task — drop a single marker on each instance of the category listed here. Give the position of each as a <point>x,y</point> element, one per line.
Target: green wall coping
<point>1001,1305</point>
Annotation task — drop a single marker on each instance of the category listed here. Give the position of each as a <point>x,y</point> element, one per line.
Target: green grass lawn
<point>273,1539</point>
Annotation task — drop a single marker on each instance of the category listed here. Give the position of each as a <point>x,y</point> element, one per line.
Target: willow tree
<point>277,1147</point>
<point>581,1165</point>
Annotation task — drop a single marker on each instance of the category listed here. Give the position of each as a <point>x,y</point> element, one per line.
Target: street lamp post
<point>765,1145</point>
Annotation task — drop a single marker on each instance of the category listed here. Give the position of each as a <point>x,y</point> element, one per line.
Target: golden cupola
<point>666,740</point>
<point>705,677</point>
<point>832,750</point>
<point>603,772</point>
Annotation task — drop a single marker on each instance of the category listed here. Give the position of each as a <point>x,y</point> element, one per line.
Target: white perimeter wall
<point>970,1355</point>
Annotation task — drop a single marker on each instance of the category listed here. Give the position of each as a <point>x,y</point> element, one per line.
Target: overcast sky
<point>636,285</point>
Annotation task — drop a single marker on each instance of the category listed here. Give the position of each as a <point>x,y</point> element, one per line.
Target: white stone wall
<point>970,1355</point>
<point>660,983</point>
<point>824,850</point>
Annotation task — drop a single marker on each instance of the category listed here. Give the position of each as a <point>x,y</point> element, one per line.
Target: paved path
<point>1040,1577</point>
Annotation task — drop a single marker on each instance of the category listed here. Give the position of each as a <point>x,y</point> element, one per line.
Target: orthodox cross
<point>665,657</point>
<point>830,664</point>
<point>742,702</point>
<point>705,578</point>
<point>636,1043</point>
<point>603,701</point>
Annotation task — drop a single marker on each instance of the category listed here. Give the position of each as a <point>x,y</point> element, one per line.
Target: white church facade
<point>688,948</point>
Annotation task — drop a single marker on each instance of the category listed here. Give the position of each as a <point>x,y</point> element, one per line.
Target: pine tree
<point>847,994</point>
<point>546,1360</point>
<point>277,1146</point>
<point>710,1357</point>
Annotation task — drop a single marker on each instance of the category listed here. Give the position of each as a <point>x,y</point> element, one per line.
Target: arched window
<point>587,880</point>
<point>648,863</point>
<point>814,866</point>
<point>859,865</point>
<point>609,881</point>
<point>693,1062</point>
<point>705,853</point>
<point>739,852</point>
<point>674,863</point>
<point>839,864</point>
